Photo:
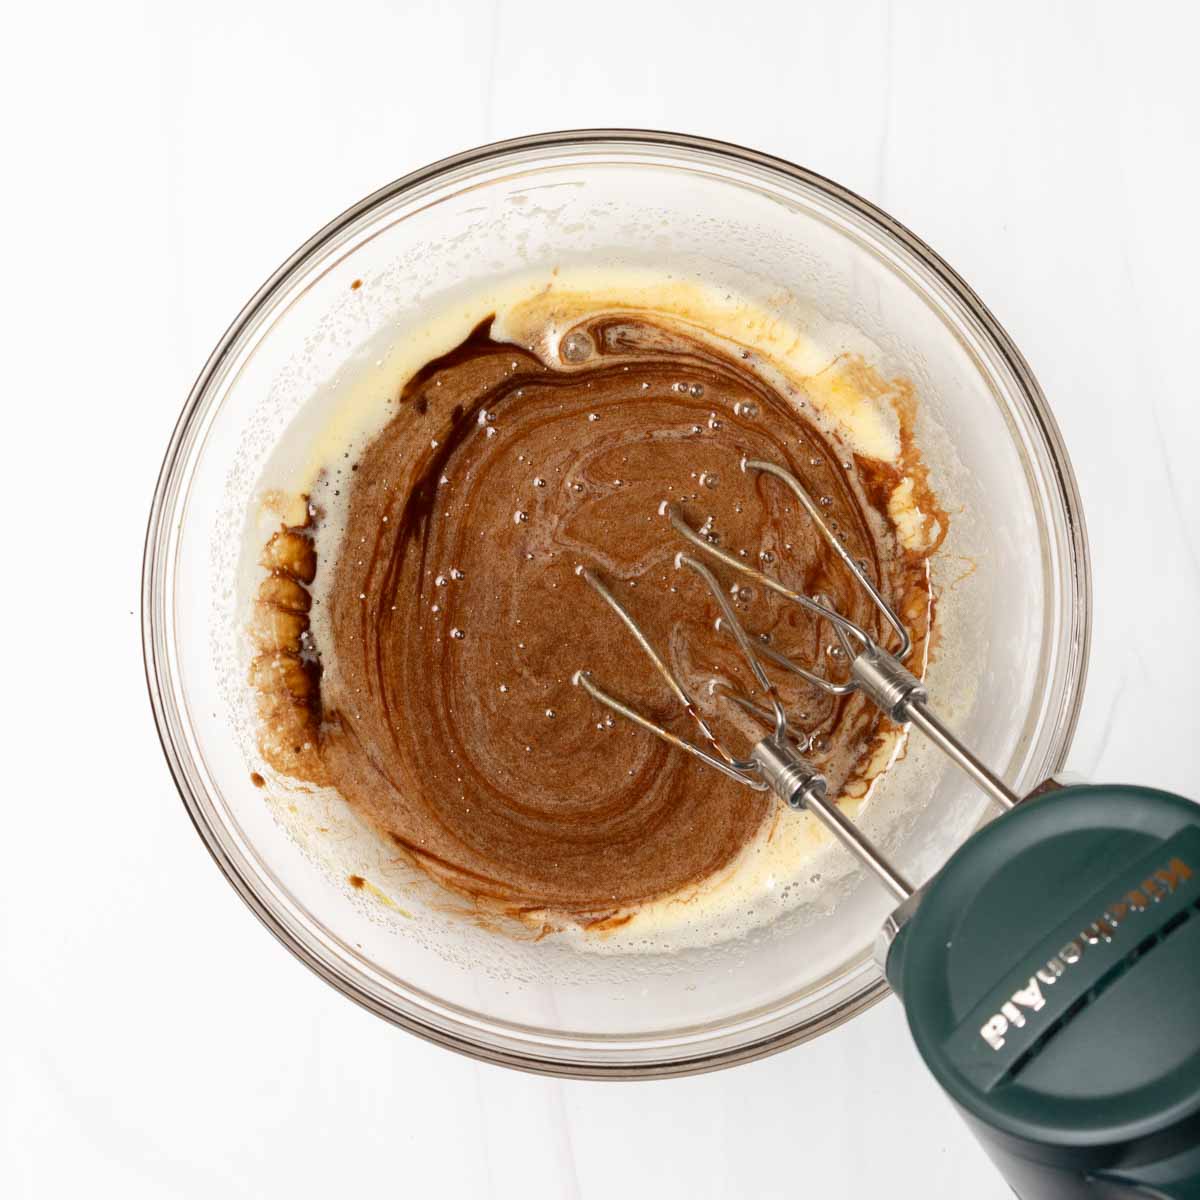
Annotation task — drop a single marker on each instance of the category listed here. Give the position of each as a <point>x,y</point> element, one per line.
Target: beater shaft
<point>945,741</point>
<point>796,783</point>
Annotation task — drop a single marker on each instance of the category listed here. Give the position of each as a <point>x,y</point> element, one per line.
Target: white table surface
<point>158,1042</point>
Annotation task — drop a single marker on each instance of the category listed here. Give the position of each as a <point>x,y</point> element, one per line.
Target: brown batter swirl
<point>446,712</point>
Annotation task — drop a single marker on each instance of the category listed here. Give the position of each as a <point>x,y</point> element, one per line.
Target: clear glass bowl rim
<point>169,720</point>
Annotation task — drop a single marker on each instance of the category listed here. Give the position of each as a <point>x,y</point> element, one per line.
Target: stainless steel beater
<point>776,763</point>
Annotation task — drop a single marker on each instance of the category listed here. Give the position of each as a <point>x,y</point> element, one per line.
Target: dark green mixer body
<point>1051,978</point>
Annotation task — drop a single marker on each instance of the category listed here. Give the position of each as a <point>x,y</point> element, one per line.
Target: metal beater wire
<point>797,489</point>
<point>598,694</point>
<point>740,636</point>
<point>743,770</point>
<point>599,586</point>
<point>840,623</point>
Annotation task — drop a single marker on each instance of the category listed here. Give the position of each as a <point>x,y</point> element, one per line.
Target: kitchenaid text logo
<point>1150,891</point>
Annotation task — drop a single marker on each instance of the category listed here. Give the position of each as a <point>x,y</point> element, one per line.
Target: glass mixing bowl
<point>1014,581</point>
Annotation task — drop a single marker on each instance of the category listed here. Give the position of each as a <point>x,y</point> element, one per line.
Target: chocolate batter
<point>443,707</point>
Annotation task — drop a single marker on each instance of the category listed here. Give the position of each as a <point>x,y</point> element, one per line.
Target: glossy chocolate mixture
<point>443,706</point>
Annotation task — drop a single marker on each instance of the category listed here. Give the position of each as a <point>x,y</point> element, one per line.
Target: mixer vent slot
<point>1102,984</point>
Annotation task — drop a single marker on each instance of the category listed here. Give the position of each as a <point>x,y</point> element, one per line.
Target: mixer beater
<point>776,762</point>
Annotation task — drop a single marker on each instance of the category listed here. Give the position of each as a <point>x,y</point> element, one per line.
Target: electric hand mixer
<point>1050,971</point>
